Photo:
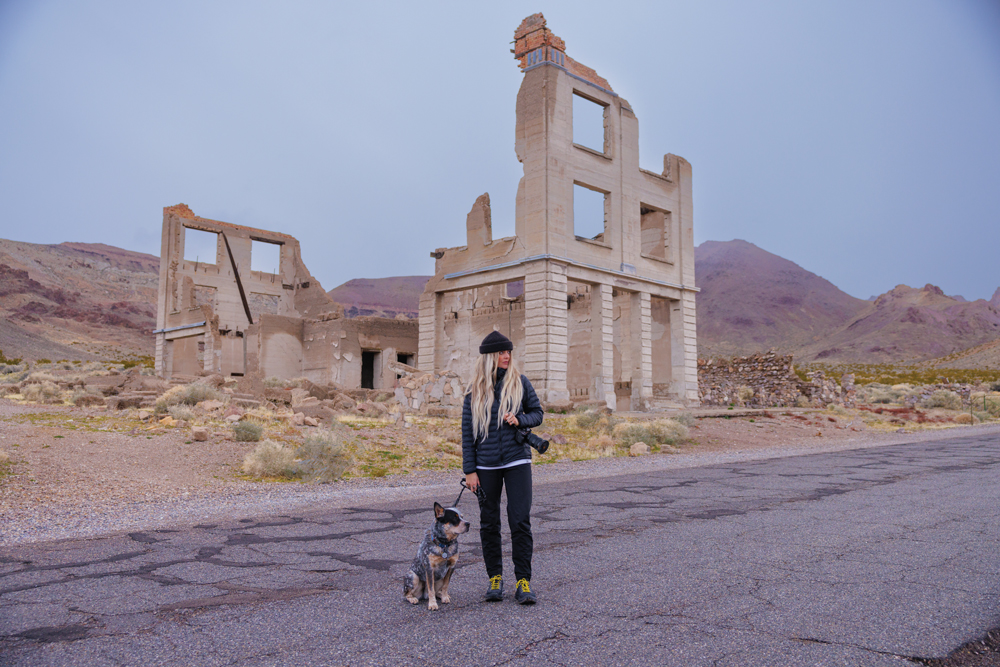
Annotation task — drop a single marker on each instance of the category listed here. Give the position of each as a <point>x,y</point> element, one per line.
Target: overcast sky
<point>859,139</point>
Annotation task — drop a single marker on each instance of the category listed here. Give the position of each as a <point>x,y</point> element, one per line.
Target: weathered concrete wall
<point>216,315</point>
<point>639,271</point>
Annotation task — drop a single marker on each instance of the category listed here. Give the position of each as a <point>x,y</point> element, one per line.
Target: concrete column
<point>546,333</point>
<point>602,345</point>
<point>642,345</point>
<point>428,328</point>
<point>690,349</point>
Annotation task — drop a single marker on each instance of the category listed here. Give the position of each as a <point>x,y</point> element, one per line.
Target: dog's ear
<point>438,511</point>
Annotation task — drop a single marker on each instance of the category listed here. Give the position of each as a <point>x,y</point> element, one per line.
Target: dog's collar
<point>444,542</point>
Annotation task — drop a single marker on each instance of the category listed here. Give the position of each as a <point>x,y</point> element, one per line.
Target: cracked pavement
<point>865,557</point>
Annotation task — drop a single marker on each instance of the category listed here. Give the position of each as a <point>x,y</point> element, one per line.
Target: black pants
<point>518,482</point>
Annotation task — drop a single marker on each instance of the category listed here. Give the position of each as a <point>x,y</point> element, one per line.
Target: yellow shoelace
<point>495,583</point>
<point>523,585</point>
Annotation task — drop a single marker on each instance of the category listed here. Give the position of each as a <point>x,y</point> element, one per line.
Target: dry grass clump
<point>4,457</point>
<point>743,394</point>
<point>181,412</point>
<point>270,459</point>
<point>261,415</point>
<point>594,420</point>
<point>191,394</point>
<point>44,392</point>
<point>659,432</point>
<point>83,399</point>
<point>942,398</point>
<point>40,377</point>
<point>321,458</point>
<point>987,403</point>
<point>247,431</point>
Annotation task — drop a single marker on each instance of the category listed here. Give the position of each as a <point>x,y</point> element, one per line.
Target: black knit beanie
<point>495,342</point>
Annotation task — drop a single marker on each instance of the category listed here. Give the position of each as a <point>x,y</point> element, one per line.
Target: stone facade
<point>602,313</point>
<point>217,316</point>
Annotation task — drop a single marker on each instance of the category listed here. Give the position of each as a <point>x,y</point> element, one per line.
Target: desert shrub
<point>983,416</point>
<point>942,398</point>
<point>383,397</point>
<point>7,360</point>
<point>261,415</point>
<point>247,431</point>
<point>41,377</point>
<point>42,361</point>
<point>801,401</point>
<point>987,403</point>
<point>274,383</point>
<point>838,409</point>
<point>190,394</point>
<point>86,398</point>
<point>685,418</point>
<point>270,459</point>
<point>743,394</point>
<point>966,418</point>
<point>11,368</point>
<point>44,392</point>
<point>322,457</point>
<point>182,412</point>
<point>14,377</point>
<point>601,445</point>
<point>594,420</point>
<point>659,432</point>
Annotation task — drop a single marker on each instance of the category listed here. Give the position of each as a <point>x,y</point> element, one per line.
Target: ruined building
<point>216,315</point>
<point>599,309</point>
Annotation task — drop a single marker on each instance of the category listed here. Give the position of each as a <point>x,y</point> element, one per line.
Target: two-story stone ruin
<point>600,307</point>
<point>216,315</point>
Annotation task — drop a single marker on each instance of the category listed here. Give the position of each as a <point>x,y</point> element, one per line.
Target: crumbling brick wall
<point>771,378</point>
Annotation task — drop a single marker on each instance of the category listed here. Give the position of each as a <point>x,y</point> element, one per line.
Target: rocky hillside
<point>380,297</point>
<point>76,301</point>
<point>909,325</point>
<point>752,300</point>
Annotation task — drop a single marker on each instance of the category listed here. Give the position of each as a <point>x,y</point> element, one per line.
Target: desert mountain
<point>907,324</point>
<point>76,300</point>
<point>380,297</point>
<point>752,300</point>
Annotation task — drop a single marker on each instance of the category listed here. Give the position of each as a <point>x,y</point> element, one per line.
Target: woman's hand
<point>510,419</point>
<point>472,481</point>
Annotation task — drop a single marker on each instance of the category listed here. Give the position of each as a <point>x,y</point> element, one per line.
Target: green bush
<point>247,431</point>
<point>7,360</point>
<point>322,457</point>
<point>942,398</point>
<point>685,418</point>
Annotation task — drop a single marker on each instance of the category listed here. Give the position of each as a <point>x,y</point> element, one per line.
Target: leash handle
<point>464,487</point>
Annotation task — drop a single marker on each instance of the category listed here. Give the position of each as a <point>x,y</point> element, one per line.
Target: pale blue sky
<point>859,139</point>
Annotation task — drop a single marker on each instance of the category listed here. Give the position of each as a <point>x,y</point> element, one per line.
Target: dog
<point>436,557</point>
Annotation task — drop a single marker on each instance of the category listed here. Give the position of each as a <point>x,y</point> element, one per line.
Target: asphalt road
<point>864,557</point>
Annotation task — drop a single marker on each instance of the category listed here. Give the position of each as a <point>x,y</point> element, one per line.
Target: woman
<point>498,402</point>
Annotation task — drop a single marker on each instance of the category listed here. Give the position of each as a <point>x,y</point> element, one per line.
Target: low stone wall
<point>767,380</point>
<point>429,393</point>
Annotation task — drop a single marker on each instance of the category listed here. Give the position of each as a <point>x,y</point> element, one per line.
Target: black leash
<point>479,492</point>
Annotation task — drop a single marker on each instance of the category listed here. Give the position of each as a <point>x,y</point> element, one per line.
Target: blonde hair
<point>481,389</point>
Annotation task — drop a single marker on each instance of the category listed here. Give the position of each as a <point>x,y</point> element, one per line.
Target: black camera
<point>524,435</point>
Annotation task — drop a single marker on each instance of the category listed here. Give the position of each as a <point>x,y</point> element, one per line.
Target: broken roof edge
<point>184,211</point>
<point>535,44</point>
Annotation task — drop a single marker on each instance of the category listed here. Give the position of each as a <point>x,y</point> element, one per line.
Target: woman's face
<point>503,359</point>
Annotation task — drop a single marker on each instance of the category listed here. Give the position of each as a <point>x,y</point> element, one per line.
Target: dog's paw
<point>412,600</point>
<point>432,606</point>
<point>445,599</point>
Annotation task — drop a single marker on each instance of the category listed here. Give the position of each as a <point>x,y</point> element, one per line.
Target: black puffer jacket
<point>499,448</point>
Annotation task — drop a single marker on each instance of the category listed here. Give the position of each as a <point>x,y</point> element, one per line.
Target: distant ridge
<point>381,297</point>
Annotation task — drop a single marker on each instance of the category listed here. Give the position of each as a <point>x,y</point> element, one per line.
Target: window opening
<point>653,226</point>
<point>367,369</point>
<point>264,256</point>
<point>589,123</point>
<point>589,213</point>
<point>200,246</point>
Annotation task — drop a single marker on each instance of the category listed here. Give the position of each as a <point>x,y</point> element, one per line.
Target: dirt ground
<point>63,454</point>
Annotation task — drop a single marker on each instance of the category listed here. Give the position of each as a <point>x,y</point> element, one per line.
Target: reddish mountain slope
<point>381,297</point>
<point>907,325</point>
<point>752,300</point>
<point>76,300</point>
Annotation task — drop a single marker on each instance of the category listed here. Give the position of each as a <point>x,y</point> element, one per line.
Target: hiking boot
<point>495,592</point>
<point>523,594</point>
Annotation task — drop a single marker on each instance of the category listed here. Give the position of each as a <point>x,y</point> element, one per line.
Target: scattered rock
<point>298,419</point>
<point>310,421</point>
<point>638,449</point>
<point>209,406</point>
<point>558,439</point>
<point>199,433</point>
<point>89,400</point>
<point>169,421</point>
<point>124,402</point>
<point>144,415</point>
